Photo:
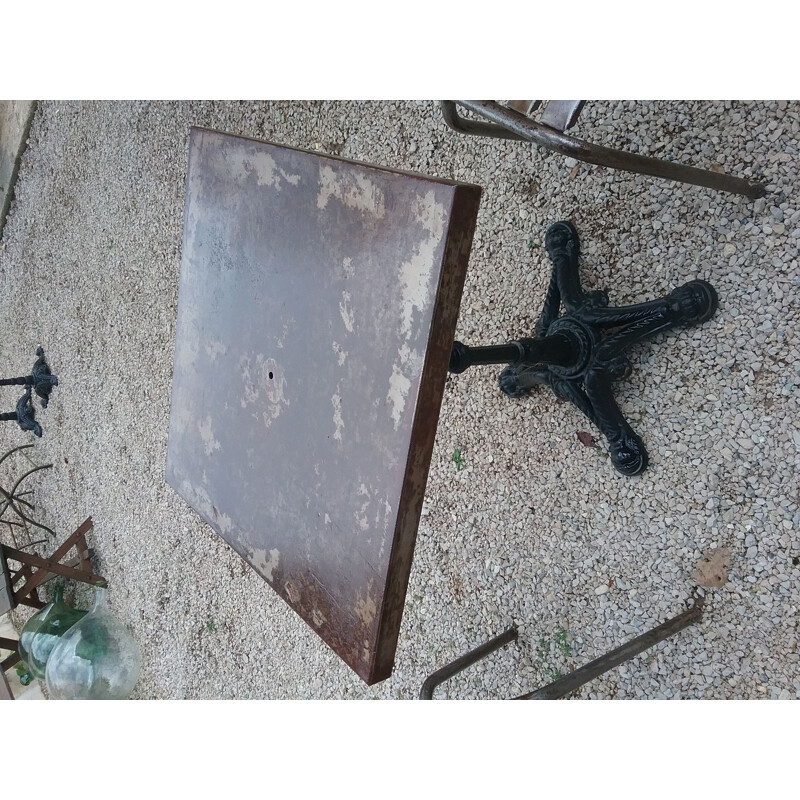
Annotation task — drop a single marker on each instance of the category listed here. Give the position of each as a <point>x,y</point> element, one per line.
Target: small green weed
<point>562,643</point>
<point>458,459</point>
<point>211,625</point>
<point>543,650</point>
<point>549,652</point>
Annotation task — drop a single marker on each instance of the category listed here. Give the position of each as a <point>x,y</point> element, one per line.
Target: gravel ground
<point>536,529</point>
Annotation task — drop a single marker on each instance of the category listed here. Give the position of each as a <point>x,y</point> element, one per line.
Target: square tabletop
<point>316,314</point>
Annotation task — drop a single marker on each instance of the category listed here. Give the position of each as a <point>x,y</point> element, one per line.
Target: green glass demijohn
<point>97,659</point>
<point>43,630</point>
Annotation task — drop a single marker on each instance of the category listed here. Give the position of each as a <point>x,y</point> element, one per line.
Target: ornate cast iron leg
<point>41,378</point>
<point>574,354</point>
<point>25,415</point>
<point>42,381</point>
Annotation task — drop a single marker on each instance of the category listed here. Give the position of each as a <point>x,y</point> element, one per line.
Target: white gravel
<point>536,529</point>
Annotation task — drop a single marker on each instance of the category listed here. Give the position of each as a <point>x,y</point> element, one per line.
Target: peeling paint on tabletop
<point>356,191</point>
<point>210,442</point>
<point>265,562</point>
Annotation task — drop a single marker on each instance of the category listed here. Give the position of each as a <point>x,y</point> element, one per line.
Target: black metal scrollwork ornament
<point>42,381</point>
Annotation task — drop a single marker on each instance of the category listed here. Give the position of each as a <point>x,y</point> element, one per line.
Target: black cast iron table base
<point>581,353</point>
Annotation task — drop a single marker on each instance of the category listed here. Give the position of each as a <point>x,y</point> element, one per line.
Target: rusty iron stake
<point>569,683</point>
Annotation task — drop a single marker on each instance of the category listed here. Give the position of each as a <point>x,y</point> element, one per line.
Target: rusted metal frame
<point>447,672</point>
<point>474,127</point>
<point>523,106</point>
<point>9,501</point>
<point>14,450</point>
<point>33,601</point>
<point>11,531</point>
<point>84,555</point>
<point>560,114</point>
<point>81,562</point>
<point>18,576</point>
<point>16,497</point>
<point>73,539</point>
<point>9,661</point>
<point>77,563</point>
<point>12,498</point>
<point>52,565</point>
<point>48,566</point>
<point>29,472</point>
<point>524,128</point>
<point>569,683</point>
<point>13,491</point>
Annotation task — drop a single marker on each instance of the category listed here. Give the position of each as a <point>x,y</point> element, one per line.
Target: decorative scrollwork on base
<point>26,414</point>
<point>43,378</point>
<point>600,335</point>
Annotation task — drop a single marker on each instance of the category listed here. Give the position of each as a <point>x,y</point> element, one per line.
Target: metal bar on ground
<point>446,672</point>
<point>569,683</point>
<point>523,127</point>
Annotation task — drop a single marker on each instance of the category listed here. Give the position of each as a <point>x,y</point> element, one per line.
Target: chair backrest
<point>560,115</point>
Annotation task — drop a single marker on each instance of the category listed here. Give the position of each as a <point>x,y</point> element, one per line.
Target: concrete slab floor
<point>15,123</point>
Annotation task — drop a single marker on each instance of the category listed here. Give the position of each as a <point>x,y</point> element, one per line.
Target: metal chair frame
<point>574,680</point>
<point>508,123</point>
